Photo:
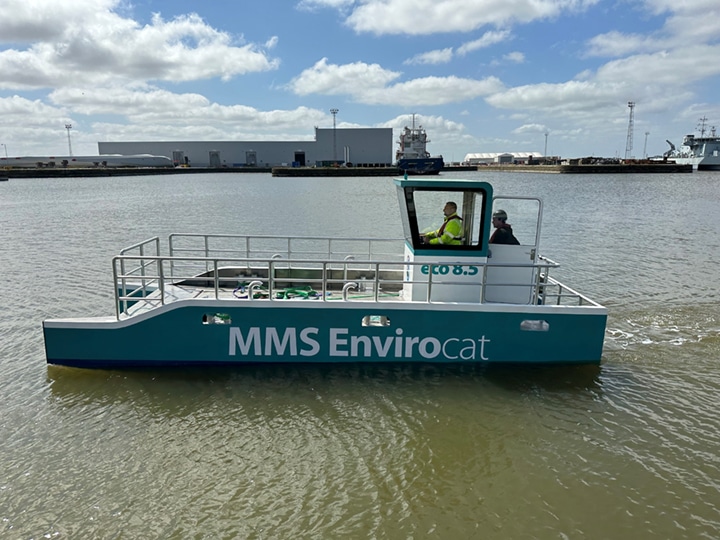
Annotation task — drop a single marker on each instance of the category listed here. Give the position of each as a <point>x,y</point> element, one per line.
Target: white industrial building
<point>356,146</point>
<point>499,158</point>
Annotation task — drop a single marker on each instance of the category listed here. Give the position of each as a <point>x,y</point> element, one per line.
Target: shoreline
<point>94,172</point>
<point>623,168</point>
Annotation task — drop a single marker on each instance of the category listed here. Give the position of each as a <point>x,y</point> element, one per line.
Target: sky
<point>543,76</point>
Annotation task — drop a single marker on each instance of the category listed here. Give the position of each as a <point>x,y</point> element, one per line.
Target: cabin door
<point>510,277</point>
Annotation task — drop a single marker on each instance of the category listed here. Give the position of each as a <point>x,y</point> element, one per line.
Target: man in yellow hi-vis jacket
<point>450,232</point>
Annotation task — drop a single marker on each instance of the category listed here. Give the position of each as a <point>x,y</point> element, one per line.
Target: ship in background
<point>412,156</point>
<point>702,152</point>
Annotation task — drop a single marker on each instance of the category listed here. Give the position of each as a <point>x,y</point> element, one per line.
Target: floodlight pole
<point>69,127</point>
<point>631,126</point>
<point>334,113</point>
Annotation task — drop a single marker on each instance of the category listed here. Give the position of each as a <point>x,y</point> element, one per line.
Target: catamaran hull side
<point>224,333</point>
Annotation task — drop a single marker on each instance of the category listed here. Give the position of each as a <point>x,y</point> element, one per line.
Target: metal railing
<point>286,247</point>
<point>291,249</point>
<point>142,276</point>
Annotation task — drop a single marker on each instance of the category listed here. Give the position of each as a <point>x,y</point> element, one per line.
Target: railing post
<point>206,247</point>
<point>376,287</point>
<point>217,278</point>
<point>429,285</point>
<point>161,277</point>
<point>483,283</point>
<point>117,289</point>
<point>171,247</point>
<point>323,285</point>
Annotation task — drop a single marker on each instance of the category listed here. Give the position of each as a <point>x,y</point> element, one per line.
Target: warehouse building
<point>357,146</point>
<point>501,158</point>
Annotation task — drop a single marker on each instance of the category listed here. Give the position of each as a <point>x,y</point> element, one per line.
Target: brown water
<point>626,450</point>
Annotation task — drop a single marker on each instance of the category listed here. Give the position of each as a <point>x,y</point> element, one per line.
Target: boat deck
<point>175,293</point>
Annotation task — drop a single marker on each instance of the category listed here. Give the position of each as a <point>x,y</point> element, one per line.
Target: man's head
<point>450,208</point>
<point>499,217</point>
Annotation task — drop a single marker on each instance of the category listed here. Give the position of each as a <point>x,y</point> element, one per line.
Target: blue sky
<point>481,75</point>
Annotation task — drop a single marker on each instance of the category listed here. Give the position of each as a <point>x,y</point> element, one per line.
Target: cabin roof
<point>443,183</point>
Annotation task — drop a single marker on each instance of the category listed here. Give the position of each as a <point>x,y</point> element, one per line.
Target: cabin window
<point>425,215</point>
<point>524,215</point>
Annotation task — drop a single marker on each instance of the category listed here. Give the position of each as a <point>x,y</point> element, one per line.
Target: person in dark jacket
<point>503,233</point>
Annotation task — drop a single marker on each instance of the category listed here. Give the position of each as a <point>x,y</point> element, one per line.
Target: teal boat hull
<point>192,333</point>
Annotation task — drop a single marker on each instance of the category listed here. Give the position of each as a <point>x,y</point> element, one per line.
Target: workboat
<point>214,299</point>
<point>702,152</point>
<point>412,156</point>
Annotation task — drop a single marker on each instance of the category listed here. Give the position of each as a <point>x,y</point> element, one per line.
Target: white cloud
<point>515,57</point>
<point>614,44</point>
<point>558,98</point>
<point>487,39</point>
<point>655,80</point>
<point>333,79</point>
<point>530,128</point>
<point>150,106</point>
<point>687,24</point>
<point>99,46</point>
<point>429,122</point>
<point>26,21</point>
<point>131,100</point>
<point>680,10</point>
<point>439,56</point>
<point>431,91</point>
<point>421,17</point>
<point>317,4</point>
<point>370,84</point>
<point>443,56</point>
<point>16,110</point>
<point>142,113</point>
<point>677,68</point>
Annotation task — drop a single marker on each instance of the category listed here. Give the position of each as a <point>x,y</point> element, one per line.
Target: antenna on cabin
<point>631,126</point>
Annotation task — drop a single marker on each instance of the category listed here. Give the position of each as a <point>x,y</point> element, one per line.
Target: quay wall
<point>625,168</point>
<point>92,172</point>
